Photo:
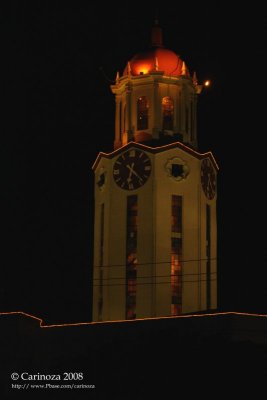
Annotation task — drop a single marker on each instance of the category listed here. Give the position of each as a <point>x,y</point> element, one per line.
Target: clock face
<point>208,178</point>
<point>132,169</point>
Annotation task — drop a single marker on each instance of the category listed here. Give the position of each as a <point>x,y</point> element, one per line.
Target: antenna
<point>156,19</point>
<point>156,33</point>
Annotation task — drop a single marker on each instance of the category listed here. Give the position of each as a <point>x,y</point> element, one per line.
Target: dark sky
<point>58,112</point>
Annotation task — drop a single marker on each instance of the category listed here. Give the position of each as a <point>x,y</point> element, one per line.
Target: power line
<point>154,263</point>
<point>156,276</point>
<point>154,283</point>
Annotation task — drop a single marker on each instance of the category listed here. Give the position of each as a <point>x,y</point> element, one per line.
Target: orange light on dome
<point>207,83</point>
<point>142,69</point>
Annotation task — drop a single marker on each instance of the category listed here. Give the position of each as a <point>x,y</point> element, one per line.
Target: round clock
<point>208,178</point>
<point>132,169</point>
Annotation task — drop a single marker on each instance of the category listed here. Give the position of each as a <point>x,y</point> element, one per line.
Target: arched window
<point>142,113</point>
<point>167,113</point>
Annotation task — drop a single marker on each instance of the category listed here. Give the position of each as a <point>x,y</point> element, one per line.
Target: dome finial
<point>129,70</point>
<point>156,34</point>
<point>156,20</point>
<point>184,69</point>
<point>156,64</point>
<point>194,78</point>
<point>117,77</point>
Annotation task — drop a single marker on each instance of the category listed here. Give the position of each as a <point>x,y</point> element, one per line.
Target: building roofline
<point>92,323</point>
<point>155,150</point>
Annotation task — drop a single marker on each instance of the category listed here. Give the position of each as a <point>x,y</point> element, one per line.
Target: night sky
<point>57,113</point>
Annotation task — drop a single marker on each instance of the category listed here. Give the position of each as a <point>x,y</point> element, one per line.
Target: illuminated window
<point>167,113</point>
<point>131,257</point>
<point>176,256</point>
<point>208,254</point>
<point>101,256</point>
<point>142,113</point>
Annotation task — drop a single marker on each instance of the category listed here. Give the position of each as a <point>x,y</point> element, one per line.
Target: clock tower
<point>155,232</point>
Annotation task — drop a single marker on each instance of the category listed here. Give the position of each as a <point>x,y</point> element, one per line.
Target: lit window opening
<point>167,113</point>
<point>131,257</point>
<point>176,255</point>
<point>142,113</point>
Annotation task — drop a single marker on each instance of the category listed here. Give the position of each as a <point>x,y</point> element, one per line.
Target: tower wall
<point>154,233</point>
<point>155,223</point>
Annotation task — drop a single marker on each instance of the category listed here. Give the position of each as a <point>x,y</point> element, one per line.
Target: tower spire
<point>156,34</point>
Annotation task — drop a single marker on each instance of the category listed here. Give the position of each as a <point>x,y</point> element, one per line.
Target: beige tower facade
<point>155,237</point>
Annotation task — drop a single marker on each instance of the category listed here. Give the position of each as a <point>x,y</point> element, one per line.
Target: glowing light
<point>207,83</point>
<point>142,69</point>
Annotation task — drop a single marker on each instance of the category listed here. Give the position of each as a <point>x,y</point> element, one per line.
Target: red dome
<point>156,59</point>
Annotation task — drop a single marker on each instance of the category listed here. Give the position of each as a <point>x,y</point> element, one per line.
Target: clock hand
<point>210,182</point>
<point>210,188</point>
<point>130,173</point>
<point>134,172</point>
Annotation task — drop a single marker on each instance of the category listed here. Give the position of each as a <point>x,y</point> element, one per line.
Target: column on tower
<point>117,142</point>
<point>128,131</point>
<point>194,120</point>
<point>176,127</point>
<point>157,111</point>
